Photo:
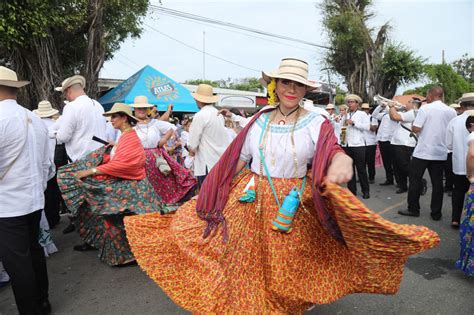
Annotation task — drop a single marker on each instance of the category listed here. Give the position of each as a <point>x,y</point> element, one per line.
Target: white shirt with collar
<point>387,126</point>
<point>81,120</point>
<point>355,134</point>
<point>208,138</point>
<point>433,118</point>
<point>401,136</point>
<point>371,136</point>
<point>457,141</point>
<point>24,160</point>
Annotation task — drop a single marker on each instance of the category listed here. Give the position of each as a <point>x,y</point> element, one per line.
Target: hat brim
<point>142,105</point>
<point>268,76</point>
<point>15,84</point>
<point>46,114</point>
<point>204,98</point>
<point>466,99</point>
<point>110,113</point>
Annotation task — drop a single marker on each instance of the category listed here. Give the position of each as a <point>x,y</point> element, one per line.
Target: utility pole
<point>442,56</point>
<point>203,55</point>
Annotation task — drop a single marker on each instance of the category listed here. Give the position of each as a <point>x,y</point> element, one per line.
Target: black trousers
<point>401,163</point>
<point>53,199</point>
<point>24,261</point>
<point>461,186</point>
<point>387,154</point>
<point>370,160</point>
<point>358,156</point>
<point>417,169</point>
<point>448,173</point>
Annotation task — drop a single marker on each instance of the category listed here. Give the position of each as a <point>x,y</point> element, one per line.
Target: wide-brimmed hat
<point>121,108</point>
<point>330,106</point>
<point>454,105</point>
<point>353,97</point>
<point>205,94</point>
<point>365,106</point>
<point>45,110</point>
<point>8,77</point>
<point>466,97</point>
<point>75,79</point>
<point>141,101</point>
<point>291,69</point>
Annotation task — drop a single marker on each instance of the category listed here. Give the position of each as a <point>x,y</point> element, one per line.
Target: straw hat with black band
<point>352,97</point>
<point>205,94</point>
<point>365,106</point>
<point>466,98</point>
<point>75,79</point>
<point>120,108</point>
<point>291,69</point>
<point>9,78</point>
<point>45,110</point>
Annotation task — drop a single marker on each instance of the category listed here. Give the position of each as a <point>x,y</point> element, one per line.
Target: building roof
<point>404,99</point>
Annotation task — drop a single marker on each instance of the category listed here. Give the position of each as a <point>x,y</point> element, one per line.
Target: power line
<point>231,25</point>
<point>232,31</point>
<point>199,50</point>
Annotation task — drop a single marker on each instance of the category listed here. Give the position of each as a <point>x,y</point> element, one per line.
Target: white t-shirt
<point>387,126</point>
<point>369,135</point>
<point>433,118</point>
<point>456,141</point>
<point>401,136</point>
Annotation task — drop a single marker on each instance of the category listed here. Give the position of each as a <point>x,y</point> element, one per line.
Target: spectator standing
<point>370,143</point>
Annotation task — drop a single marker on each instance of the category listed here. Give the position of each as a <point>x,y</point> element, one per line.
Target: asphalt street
<point>81,284</point>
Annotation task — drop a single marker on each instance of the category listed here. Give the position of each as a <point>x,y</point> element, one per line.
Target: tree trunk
<point>95,54</point>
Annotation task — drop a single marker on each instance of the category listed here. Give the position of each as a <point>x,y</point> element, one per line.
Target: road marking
<point>391,207</point>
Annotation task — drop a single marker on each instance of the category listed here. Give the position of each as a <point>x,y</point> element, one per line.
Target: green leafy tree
<point>246,84</point>
<point>45,41</point>
<point>465,67</point>
<point>199,81</point>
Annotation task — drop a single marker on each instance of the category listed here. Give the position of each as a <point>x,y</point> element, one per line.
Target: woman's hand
<point>340,169</point>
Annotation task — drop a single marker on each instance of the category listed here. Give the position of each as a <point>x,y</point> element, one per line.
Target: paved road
<point>80,284</point>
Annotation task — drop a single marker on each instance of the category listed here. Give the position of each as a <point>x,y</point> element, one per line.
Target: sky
<point>427,27</point>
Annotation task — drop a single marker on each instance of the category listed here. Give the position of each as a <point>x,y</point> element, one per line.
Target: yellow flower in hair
<point>271,94</point>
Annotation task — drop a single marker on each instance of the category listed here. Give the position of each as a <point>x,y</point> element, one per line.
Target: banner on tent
<point>162,88</point>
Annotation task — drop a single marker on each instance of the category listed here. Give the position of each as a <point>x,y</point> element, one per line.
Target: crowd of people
<point>226,212</point>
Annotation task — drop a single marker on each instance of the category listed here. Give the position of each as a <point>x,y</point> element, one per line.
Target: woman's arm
<point>166,115</point>
<point>165,138</point>
<point>240,165</point>
<point>470,162</point>
<point>340,169</point>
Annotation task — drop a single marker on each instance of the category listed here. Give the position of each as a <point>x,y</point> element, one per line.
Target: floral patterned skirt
<point>259,270</point>
<point>99,204</point>
<point>174,186</point>
<point>466,232</point>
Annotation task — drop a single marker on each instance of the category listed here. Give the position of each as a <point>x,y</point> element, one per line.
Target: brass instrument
<point>385,101</point>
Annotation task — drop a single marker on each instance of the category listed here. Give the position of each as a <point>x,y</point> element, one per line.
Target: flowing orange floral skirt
<point>263,271</point>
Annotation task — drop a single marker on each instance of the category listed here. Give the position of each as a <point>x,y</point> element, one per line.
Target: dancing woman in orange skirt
<point>248,245</point>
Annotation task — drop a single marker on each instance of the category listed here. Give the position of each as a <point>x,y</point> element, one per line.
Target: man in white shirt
<point>207,135</point>
<point>430,153</point>
<point>370,143</point>
<point>357,123</point>
<point>384,135</point>
<point>456,140</point>
<point>81,120</point>
<point>24,167</point>
<point>403,141</point>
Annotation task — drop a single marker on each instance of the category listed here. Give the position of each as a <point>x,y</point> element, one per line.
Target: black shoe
<point>386,183</point>
<point>70,228</point>
<point>371,181</point>
<point>83,247</point>
<point>401,190</point>
<point>45,307</point>
<point>365,195</point>
<point>424,187</point>
<point>409,213</point>
<point>436,217</point>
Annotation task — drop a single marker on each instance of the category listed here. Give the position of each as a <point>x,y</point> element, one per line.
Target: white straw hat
<point>291,69</point>
<point>353,97</point>
<point>75,79</point>
<point>365,106</point>
<point>330,106</point>
<point>466,97</point>
<point>141,101</point>
<point>121,108</point>
<point>205,94</point>
<point>45,110</point>
<point>8,77</point>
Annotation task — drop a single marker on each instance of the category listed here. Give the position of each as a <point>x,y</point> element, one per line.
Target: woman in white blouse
<point>171,181</point>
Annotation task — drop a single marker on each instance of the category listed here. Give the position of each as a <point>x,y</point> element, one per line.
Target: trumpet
<point>385,101</point>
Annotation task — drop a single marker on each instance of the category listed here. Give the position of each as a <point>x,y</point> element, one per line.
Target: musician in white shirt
<point>357,123</point>
<point>207,136</point>
<point>430,153</point>
<point>81,120</point>
<point>403,141</point>
<point>370,143</point>
<point>24,168</point>
<point>456,139</point>
<point>384,135</point>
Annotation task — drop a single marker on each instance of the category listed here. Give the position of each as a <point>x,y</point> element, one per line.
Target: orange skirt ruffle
<point>262,271</point>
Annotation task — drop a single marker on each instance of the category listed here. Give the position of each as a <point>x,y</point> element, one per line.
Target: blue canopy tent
<point>160,90</point>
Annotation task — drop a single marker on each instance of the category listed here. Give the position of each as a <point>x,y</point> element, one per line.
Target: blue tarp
<point>160,90</point>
